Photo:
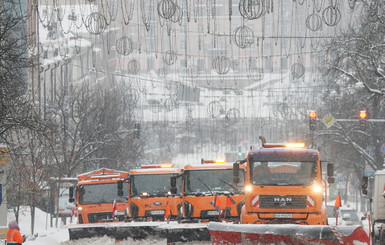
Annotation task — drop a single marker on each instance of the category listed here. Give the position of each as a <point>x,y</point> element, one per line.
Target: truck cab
<point>208,190</point>
<point>283,184</point>
<point>96,196</point>
<point>149,195</point>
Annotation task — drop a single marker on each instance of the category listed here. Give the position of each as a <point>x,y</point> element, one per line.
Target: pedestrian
<point>14,236</point>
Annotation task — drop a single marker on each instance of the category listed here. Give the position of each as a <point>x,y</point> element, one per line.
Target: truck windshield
<point>101,193</point>
<point>152,184</point>
<point>282,173</point>
<point>211,180</point>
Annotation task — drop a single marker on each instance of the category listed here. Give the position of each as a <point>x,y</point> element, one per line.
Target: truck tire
<point>382,238</point>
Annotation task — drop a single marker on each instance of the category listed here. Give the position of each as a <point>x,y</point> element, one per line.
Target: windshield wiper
<point>234,187</point>
<point>206,186</point>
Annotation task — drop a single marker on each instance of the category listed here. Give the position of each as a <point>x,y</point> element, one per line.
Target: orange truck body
<point>96,194</point>
<point>202,184</point>
<point>149,196</point>
<point>283,196</point>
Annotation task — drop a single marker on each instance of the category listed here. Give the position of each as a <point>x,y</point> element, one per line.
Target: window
<point>282,173</point>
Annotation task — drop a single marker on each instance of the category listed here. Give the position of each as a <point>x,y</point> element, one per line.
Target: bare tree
<point>31,167</point>
<point>356,78</point>
<point>13,64</point>
<point>92,128</point>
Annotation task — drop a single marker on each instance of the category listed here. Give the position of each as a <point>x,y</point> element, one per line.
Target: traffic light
<point>312,120</point>
<point>364,185</point>
<point>136,130</point>
<point>240,153</point>
<point>363,119</point>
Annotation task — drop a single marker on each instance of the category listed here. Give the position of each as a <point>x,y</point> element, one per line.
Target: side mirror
<point>173,185</point>
<point>120,187</point>
<point>330,170</point>
<point>71,194</point>
<point>236,173</point>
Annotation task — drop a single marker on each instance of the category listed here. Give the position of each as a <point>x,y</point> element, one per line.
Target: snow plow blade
<point>172,232</point>
<point>223,233</point>
<point>119,231</point>
<point>175,232</point>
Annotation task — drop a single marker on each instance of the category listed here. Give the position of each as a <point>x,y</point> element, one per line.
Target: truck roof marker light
<point>248,188</point>
<point>220,161</point>
<point>295,145</point>
<point>214,161</point>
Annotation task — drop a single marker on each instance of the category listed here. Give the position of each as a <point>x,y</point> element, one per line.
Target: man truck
<point>284,195</point>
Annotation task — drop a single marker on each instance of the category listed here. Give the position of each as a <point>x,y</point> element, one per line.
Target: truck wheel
<point>382,238</point>
<point>374,238</point>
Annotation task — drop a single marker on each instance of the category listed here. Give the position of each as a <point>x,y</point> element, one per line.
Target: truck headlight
<point>248,188</point>
<point>317,189</point>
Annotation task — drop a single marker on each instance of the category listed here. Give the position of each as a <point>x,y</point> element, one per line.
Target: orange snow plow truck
<point>149,195</point>
<point>209,193</point>
<point>96,197</point>
<point>284,201</point>
<point>144,196</point>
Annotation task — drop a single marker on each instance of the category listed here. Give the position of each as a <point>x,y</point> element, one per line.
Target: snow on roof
<point>380,172</point>
<point>155,170</point>
<point>102,169</point>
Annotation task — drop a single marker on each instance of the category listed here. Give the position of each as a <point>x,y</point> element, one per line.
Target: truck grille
<point>283,202</point>
<point>102,217</point>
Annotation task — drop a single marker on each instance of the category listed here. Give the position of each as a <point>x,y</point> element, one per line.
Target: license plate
<point>120,213</point>
<point>157,212</point>
<point>212,213</point>
<point>283,216</point>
